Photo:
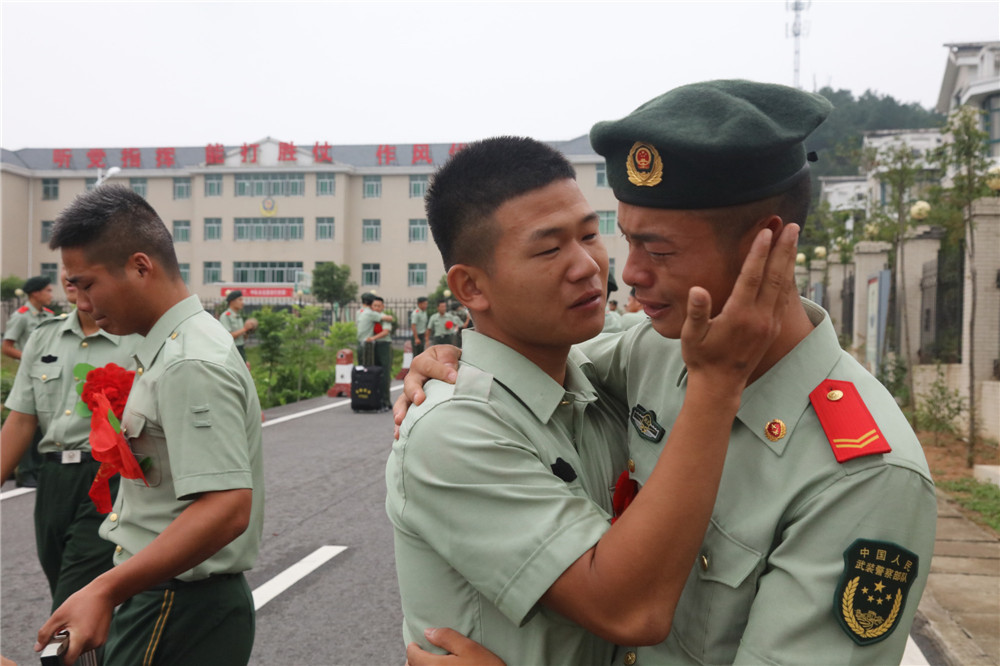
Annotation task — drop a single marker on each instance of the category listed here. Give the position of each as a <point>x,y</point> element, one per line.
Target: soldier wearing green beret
<point>500,488</point>
<point>232,321</point>
<point>19,327</point>
<point>823,529</point>
<point>186,533</point>
<point>45,396</point>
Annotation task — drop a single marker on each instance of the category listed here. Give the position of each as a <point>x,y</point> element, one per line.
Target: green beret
<point>37,283</point>
<point>233,295</point>
<point>711,144</point>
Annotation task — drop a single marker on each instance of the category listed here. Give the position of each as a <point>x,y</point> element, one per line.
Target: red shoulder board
<point>846,421</point>
<point>49,311</point>
<point>22,309</point>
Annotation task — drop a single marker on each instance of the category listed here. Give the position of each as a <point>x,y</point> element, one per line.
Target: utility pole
<point>796,31</point>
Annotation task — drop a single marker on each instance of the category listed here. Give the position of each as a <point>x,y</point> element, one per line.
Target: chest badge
<point>644,422</point>
<point>873,589</point>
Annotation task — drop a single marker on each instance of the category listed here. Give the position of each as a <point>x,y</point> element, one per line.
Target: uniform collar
<point>783,391</point>
<point>164,326</point>
<point>526,381</point>
<point>71,324</point>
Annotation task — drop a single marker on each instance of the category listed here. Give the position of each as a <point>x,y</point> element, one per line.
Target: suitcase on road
<point>366,382</point>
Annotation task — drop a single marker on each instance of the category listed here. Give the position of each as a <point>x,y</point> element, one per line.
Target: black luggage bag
<point>366,382</point>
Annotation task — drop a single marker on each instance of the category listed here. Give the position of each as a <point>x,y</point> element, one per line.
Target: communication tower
<point>797,29</point>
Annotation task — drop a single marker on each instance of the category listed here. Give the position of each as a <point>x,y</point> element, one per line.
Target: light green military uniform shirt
<point>25,320</point>
<point>366,324</point>
<point>438,324</point>
<point>418,318</point>
<point>194,412</point>
<point>630,319</point>
<point>45,386</point>
<point>496,485</point>
<point>763,587</point>
<point>612,322</point>
<point>233,321</point>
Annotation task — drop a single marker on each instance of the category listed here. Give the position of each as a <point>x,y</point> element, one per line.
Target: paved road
<point>325,476</point>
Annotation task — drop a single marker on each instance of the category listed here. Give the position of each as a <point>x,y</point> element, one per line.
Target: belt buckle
<point>70,457</point>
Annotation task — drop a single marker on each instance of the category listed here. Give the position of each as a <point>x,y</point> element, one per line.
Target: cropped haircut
<point>467,191</point>
<point>110,224</point>
<point>731,223</point>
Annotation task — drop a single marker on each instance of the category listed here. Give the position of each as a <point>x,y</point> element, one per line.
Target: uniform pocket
<point>143,442</point>
<point>718,596</point>
<point>46,386</point>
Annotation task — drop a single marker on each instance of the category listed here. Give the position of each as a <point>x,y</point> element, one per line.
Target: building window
<point>185,272</point>
<point>371,231</point>
<point>90,185</point>
<point>270,184</point>
<point>991,124</point>
<point>213,185</point>
<point>324,228</point>
<point>606,222</point>
<point>416,275</point>
<point>602,174</point>
<point>213,228</point>
<point>182,231</point>
<point>266,271</point>
<point>182,188</point>
<point>211,272</point>
<point>418,231</point>
<point>138,186</point>
<point>372,187</point>
<point>371,275</point>
<point>51,271</point>
<point>47,230</point>
<point>418,186</point>
<point>611,265</point>
<point>269,228</point>
<point>326,184</point>
<point>50,188</point>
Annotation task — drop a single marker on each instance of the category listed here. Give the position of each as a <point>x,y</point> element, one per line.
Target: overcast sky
<point>99,74</point>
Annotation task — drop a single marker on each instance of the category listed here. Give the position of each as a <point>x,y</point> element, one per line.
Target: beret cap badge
<point>644,166</point>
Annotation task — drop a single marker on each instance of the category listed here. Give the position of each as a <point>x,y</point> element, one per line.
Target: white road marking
<point>15,493</point>
<point>294,574</point>
<point>315,410</point>
<point>913,655</point>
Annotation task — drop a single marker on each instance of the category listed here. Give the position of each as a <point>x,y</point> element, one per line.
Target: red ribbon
<point>625,491</point>
<point>110,448</point>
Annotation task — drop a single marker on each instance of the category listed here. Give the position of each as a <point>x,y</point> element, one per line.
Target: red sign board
<point>261,292</point>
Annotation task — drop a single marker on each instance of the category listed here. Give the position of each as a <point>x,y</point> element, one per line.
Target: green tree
<point>899,170</point>
<point>964,160</point>
<point>271,333</point>
<point>300,348</point>
<point>439,293</point>
<point>331,283</point>
<point>8,286</point>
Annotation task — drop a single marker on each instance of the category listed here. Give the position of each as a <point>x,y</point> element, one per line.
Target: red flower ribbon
<point>626,489</point>
<point>109,446</point>
<point>449,325</point>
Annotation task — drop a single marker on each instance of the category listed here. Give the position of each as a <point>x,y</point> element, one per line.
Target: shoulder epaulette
<point>845,418</point>
<point>49,311</point>
<point>22,309</point>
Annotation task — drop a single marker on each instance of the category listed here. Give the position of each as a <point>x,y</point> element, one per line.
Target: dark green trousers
<point>208,623</point>
<point>66,521</point>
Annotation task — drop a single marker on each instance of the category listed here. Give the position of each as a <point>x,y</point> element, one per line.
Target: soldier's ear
<point>467,284</point>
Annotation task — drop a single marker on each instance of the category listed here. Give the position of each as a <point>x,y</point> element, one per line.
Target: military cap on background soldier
<point>36,283</point>
<point>233,295</point>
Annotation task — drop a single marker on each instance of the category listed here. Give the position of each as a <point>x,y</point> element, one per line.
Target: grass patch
<point>983,499</point>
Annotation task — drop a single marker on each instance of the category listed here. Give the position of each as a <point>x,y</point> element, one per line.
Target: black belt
<point>68,457</point>
<point>176,583</point>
